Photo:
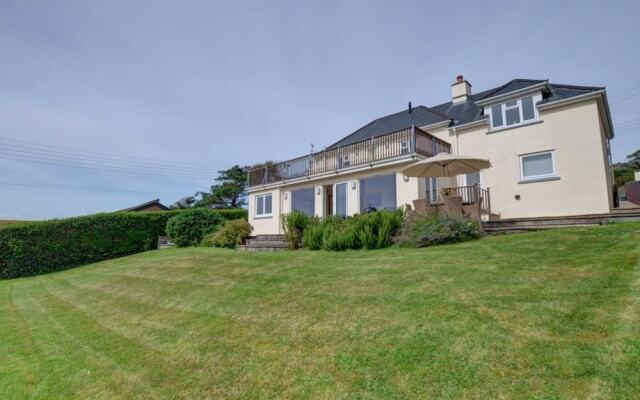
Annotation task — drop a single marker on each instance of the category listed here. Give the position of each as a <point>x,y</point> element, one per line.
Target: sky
<point>186,88</point>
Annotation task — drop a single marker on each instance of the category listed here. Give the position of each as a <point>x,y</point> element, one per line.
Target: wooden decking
<point>515,225</point>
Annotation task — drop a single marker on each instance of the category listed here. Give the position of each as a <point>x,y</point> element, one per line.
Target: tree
<point>229,191</point>
<point>633,159</point>
<point>185,202</point>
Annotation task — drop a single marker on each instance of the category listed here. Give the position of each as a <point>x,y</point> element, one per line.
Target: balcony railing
<point>470,195</point>
<point>405,142</point>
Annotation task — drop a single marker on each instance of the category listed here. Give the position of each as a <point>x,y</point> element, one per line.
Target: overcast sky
<point>214,84</point>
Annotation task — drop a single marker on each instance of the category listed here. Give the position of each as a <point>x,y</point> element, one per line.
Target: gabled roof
<point>143,206</point>
<point>462,112</point>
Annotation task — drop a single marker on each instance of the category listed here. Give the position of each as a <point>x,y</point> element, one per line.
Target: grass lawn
<point>539,315</point>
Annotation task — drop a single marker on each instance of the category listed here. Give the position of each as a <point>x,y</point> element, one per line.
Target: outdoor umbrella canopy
<point>445,164</point>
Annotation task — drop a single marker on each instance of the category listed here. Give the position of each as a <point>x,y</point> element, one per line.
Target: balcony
<point>405,143</point>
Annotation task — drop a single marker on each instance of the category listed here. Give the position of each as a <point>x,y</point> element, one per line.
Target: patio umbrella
<point>445,164</point>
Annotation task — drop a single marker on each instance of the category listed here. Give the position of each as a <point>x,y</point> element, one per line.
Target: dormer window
<point>513,112</point>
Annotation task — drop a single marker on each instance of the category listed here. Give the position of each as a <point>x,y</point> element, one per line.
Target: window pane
<point>341,199</point>
<point>512,116</point>
<point>259,205</point>
<point>267,204</point>
<point>432,189</point>
<point>378,193</point>
<point>496,115</point>
<point>537,165</point>
<point>303,200</point>
<point>511,103</point>
<point>527,108</point>
<point>473,178</point>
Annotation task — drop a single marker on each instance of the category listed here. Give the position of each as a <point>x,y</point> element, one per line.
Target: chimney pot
<point>459,78</point>
<point>410,108</point>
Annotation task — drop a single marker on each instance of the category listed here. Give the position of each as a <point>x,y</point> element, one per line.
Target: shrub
<point>48,246</point>
<point>189,227</point>
<point>294,225</point>
<point>231,214</point>
<point>372,231</point>
<point>427,230</point>
<point>230,235</point>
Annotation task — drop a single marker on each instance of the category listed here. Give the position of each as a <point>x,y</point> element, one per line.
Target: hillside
<point>538,315</point>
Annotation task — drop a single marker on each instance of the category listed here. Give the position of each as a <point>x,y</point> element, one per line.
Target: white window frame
<point>263,214</point>
<point>503,108</point>
<point>553,174</point>
<point>335,197</point>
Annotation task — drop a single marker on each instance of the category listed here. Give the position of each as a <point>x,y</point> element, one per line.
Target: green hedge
<point>48,246</point>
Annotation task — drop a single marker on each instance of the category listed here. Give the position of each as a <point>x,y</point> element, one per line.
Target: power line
<point>27,151</point>
<point>625,91</point>
<point>80,156</point>
<point>83,189</point>
<point>626,98</point>
<point>115,156</point>
<point>32,161</point>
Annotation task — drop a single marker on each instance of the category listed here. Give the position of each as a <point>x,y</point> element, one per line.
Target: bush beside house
<point>371,231</point>
<point>232,234</point>
<point>189,227</point>
<point>427,230</point>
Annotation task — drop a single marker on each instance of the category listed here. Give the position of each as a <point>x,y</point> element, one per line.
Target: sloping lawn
<point>539,315</point>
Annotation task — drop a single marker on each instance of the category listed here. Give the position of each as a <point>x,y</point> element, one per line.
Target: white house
<point>548,145</point>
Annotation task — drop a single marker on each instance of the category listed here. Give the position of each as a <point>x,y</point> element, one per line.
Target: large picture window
<point>303,200</point>
<point>537,166</point>
<point>378,193</point>
<point>264,204</point>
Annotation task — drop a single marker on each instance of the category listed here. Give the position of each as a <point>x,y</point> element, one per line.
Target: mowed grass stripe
<point>539,315</point>
<point>20,372</point>
<point>115,350</point>
<point>75,362</point>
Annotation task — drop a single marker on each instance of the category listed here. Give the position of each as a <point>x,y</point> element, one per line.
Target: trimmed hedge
<point>42,247</point>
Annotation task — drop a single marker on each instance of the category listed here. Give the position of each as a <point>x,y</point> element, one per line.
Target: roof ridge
<point>567,86</point>
<point>494,90</point>
<point>441,114</point>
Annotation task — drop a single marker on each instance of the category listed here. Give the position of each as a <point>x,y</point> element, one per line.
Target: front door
<point>328,200</point>
<point>341,199</point>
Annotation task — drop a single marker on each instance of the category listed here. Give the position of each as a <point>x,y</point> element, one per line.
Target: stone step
<point>269,238</point>
<point>164,242</point>
<point>266,243</point>
<point>245,247</point>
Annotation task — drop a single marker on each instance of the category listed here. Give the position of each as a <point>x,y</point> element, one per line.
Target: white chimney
<point>460,90</point>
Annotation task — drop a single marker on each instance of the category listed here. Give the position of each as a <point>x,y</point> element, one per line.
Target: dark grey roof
<point>459,113</point>
<point>139,207</point>
<point>419,116</point>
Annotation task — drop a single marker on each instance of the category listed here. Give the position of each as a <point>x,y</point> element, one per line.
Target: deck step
<point>515,225</point>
